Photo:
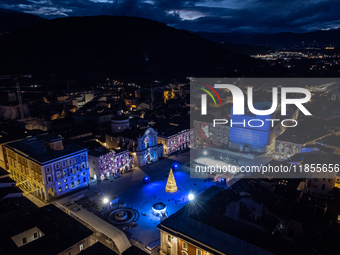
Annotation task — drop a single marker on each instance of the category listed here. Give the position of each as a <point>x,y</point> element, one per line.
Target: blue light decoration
<point>175,166</point>
<point>146,179</point>
<point>257,137</point>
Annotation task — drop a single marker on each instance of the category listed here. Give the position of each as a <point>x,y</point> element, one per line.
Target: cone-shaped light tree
<point>171,183</point>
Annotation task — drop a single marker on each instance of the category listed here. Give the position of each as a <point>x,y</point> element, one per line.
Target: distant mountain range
<point>92,48</point>
<point>316,39</point>
<point>13,20</point>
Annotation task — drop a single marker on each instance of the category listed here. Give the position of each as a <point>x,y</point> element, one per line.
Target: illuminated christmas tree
<point>171,186</point>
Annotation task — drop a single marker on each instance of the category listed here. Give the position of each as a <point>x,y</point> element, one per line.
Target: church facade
<point>148,150</point>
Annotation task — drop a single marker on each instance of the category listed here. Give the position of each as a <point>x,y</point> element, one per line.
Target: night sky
<point>264,16</point>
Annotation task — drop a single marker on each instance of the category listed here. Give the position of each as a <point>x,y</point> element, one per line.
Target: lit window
<point>184,246</point>
<point>65,180</point>
<point>72,184</point>
<point>81,246</point>
<point>198,252</point>
<point>59,183</point>
<point>60,189</point>
<point>66,186</point>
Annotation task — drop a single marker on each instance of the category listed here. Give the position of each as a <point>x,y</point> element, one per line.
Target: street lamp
<point>191,197</point>
<point>105,200</point>
<point>146,179</point>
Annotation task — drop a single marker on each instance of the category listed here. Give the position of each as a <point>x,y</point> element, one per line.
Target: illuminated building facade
<point>106,163</point>
<point>42,166</point>
<point>307,132</point>
<point>148,149</point>
<point>253,133</point>
<point>174,140</point>
<point>208,135</point>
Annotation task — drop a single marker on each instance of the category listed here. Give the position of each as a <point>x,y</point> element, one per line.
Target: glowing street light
<point>146,179</point>
<point>105,200</point>
<point>191,197</point>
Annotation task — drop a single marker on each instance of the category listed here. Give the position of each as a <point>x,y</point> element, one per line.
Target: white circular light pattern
<point>191,196</point>
<point>105,200</point>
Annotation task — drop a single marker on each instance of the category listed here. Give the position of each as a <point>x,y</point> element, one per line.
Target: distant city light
<point>205,153</point>
<point>191,197</point>
<point>105,200</point>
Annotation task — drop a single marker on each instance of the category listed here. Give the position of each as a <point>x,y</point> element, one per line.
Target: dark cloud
<point>214,16</point>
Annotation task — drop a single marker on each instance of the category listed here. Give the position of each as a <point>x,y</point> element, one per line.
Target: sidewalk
<point>35,200</point>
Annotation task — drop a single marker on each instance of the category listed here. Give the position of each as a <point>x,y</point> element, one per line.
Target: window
<point>76,159</point>
<point>82,157</point>
<point>60,189</point>
<point>323,187</point>
<point>49,178</point>
<point>58,175</point>
<point>56,166</point>
<point>66,187</point>
<point>184,246</point>
<point>78,182</point>
<point>35,235</point>
<point>83,166</point>
<point>24,240</point>
<point>68,253</point>
<point>64,163</point>
<point>65,180</point>
<point>169,238</point>
<point>59,183</point>
<point>48,169</point>
<point>84,179</point>
<point>70,161</point>
<point>81,246</point>
<point>64,172</point>
<point>198,252</point>
<point>72,184</point>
